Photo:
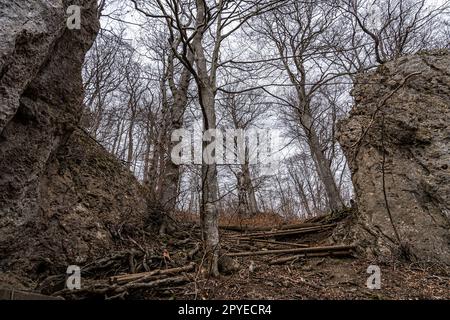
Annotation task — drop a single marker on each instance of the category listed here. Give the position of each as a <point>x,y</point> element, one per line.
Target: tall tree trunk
<point>321,162</point>
<point>242,195</point>
<point>147,155</point>
<point>172,170</point>
<point>209,212</point>
<point>250,190</point>
<point>171,180</point>
<point>301,191</point>
<point>206,84</point>
<point>247,197</point>
<point>130,140</point>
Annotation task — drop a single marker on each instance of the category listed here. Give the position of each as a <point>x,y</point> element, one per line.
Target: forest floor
<point>328,278</point>
<point>253,277</point>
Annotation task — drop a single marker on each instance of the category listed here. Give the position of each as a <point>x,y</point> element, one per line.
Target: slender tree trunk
<point>172,170</point>
<point>147,154</point>
<point>301,191</point>
<point>304,199</point>
<point>206,84</point>
<point>116,137</point>
<point>252,204</point>
<point>322,164</point>
<point>242,196</point>
<point>247,197</point>
<point>325,174</point>
<point>130,140</point>
<point>119,142</point>
<point>208,211</point>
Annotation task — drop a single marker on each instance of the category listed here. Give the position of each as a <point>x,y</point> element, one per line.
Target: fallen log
<point>298,250</point>
<point>299,225</point>
<point>104,288</point>
<point>284,233</point>
<point>13,294</point>
<point>283,260</point>
<point>143,276</point>
<point>289,244</point>
<point>153,284</point>
<point>245,228</point>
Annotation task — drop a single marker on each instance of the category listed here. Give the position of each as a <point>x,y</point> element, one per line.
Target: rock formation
<point>62,197</point>
<point>397,142</point>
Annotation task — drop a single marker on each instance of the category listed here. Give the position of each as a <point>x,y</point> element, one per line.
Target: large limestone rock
<point>89,203</point>
<point>63,199</point>
<point>399,128</point>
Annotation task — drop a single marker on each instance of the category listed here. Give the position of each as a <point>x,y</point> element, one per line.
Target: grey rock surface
<point>398,134</point>
<point>62,196</point>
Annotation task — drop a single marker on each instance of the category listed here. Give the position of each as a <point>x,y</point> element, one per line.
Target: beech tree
<point>297,32</point>
<point>242,111</point>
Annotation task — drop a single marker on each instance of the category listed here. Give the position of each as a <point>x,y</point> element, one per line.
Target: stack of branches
<point>149,263</point>
<point>248,228</point>
<point>335,251</point>
<point>120,286</point>
<point>248,242</point>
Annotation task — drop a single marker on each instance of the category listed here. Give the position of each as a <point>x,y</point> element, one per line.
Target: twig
<point>143,276</point>
<point>383,175</point>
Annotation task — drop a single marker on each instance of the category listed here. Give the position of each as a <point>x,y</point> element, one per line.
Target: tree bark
<point>171,179</point>
<point>206,84</point>
<point>246,192</point>
<point>250,191</point>
<point>208,211</point>
<point>321,162</point>
<point>301,191</point>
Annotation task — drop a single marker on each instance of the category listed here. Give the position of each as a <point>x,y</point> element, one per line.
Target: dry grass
<point>234,219</point>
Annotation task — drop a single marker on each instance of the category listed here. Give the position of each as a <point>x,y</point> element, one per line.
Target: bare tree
<point>297,32</point>
<point>241,111</point>
<point>102,73</point>
<point>174,86</point>
<point>396,27</point>
<point>203,26</point>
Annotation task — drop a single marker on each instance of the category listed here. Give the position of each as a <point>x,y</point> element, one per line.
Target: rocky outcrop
<point>397,141</point>
<point>89,203</point>
<point>63,199</point>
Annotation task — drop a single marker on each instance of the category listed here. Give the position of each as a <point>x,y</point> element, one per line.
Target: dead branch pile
<point>150,266</point>
<point>122,285</point>
<point>260,241</point>
<point>149,276</point>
